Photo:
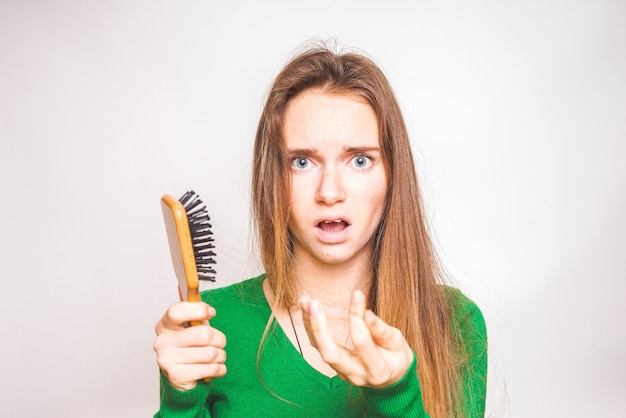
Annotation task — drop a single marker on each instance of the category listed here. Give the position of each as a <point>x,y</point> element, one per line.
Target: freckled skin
<point>337,174</point>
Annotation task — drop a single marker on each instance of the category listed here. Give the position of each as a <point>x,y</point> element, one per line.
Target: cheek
<point>379,187</point>
<point>298,208</point>
<point>378,204</point>
<point>377,197</point>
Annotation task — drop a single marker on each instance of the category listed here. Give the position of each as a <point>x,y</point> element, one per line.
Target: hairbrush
<point>191,242</point>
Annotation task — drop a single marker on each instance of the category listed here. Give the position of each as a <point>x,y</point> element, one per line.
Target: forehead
<point>316,118</point>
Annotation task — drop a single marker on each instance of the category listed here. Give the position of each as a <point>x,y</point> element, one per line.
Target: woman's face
<point>339,181</point>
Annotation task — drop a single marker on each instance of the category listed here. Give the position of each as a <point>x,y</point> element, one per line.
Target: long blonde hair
<point>405,290</point>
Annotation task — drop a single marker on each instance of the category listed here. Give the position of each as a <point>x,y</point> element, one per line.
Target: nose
<point>330,189</point>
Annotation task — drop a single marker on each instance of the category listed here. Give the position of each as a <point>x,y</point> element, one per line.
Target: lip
<point>332,237</point>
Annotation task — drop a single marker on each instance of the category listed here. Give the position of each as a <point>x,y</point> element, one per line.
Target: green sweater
<point>287,386</point>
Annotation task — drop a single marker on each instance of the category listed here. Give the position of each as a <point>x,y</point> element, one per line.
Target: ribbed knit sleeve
<point>402,399</point>
<point>183,404</point>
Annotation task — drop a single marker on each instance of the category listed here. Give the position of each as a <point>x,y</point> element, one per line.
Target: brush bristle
<point>201,235</point>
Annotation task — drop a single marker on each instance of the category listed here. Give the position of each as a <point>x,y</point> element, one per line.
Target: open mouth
<point>333,226</point>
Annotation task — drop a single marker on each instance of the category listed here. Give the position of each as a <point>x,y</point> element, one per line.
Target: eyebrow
<point>314,151</point>
<point>352,150</point>
<point>302,151</point>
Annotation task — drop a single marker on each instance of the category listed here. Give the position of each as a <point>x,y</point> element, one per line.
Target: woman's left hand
<point>380,355</point>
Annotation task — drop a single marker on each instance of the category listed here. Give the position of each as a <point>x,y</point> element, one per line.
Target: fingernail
<point>357,296</point>
<point>314,308</point>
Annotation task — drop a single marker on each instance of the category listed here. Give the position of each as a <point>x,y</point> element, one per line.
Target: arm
<point>405,398</point>
<point>402,399</point>
<point>175,403</point>
<point>381,361</point>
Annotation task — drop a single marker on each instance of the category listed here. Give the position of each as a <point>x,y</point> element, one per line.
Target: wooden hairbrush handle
<point>181,249</point>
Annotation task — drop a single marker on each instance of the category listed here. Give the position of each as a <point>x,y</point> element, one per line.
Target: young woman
<point>350,318</point>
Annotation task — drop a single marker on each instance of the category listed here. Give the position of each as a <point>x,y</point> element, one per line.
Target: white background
<point>517,113</point>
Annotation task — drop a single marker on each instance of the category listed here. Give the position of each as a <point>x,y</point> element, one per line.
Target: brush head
<point>191,242</point>
<point>201,235</point>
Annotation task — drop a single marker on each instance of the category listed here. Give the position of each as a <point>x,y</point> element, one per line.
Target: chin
<point>336,258</point>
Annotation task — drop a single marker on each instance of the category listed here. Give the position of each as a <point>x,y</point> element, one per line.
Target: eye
<point>362,161</point>
<point>300,163</point>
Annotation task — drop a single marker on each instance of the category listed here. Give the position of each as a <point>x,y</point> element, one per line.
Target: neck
<point>330,284</point>
<point>333,284</point>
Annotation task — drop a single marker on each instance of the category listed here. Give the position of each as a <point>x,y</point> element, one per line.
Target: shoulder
<point>465,313</point>
<point>470,336</point>
<point>241,308</point>
<point>241,314</point>
<point>247,292</point>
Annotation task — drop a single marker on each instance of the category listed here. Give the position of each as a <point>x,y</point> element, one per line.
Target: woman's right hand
<point>188,354</point>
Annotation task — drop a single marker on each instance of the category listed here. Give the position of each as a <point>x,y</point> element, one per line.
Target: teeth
<point>333,222</point>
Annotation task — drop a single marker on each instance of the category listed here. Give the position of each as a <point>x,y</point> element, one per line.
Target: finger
<point>317,329</point>
<point>382,334</point>
<point>213,370</point>
<point>391,340</point>
<point>202,355</point>
<point>186,376</point>
<point>183,366</point>
<point>359,332</point>
<point>357,304</point>
<point>195,372</point>
<point>180,313</point>
<point>364,346</point>
<point>200,336</point>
